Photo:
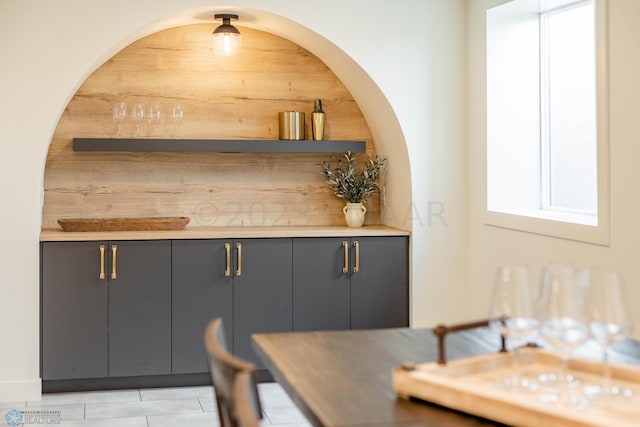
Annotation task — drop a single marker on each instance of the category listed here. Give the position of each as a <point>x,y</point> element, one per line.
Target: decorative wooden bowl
<point>124,224</point>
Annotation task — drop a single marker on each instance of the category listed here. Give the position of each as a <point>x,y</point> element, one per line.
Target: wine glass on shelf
<point>138,117</point>
<point>177,116</point>
<point>563,325</point>
<point>154,115</point>
<point>119,114</point>
<point>609,321</point>
<point>513,314</point>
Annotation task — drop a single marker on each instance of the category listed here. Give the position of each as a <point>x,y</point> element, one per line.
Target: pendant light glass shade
<point>226,38</point>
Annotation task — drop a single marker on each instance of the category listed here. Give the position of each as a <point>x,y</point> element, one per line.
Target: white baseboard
<point>18,391</point>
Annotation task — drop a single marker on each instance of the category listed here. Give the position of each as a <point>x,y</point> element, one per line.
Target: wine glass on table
<point>513,314</point>
<point>609,321</point>
<point>563,326</point>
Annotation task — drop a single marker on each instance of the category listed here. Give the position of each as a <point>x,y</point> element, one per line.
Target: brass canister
<point>291,125</point>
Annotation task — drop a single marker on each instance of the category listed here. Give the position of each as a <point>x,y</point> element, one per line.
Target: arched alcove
<point>236,97</point>
<point>408,86</point>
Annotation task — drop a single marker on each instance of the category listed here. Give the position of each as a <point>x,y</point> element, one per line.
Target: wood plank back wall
<point>235,97</point>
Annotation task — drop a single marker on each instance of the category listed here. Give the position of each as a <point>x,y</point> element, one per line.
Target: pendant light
<point>226,38</point>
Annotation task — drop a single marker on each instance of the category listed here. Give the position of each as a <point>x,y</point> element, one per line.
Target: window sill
<point>562,225</point>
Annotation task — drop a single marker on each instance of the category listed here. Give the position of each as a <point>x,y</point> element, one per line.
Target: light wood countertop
<point>223,233</point>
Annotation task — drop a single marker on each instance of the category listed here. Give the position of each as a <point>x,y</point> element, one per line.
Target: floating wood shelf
<point>217,145</point>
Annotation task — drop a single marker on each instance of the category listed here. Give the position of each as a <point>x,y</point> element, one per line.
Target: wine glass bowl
<point>565,334</point>
<point>607,311</point>
<point>562,300</point>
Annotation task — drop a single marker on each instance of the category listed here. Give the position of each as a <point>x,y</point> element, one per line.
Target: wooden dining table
<point>344,378</point>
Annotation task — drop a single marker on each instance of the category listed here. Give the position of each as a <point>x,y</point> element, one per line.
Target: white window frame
<point>556,223</point>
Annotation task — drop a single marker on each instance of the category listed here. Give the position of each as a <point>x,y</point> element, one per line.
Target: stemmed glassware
<point>563,323</point>
<point>177,115</point>
<point>513,313</point>
<point>609,320</point>
<point>154,115</point>
<point>119,114</point>
<point>138,117</point>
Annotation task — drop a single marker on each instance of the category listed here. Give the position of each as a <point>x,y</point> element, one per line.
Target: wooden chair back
<point>243,392</point>
<point>224,369</point>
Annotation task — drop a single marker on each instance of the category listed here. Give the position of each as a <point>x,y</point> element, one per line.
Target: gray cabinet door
<point>200,292</point>
<point>380,289</point>
<point>321,289</point>
<point>74,311</point>
<point>140,309</point>
<point>262,292</point>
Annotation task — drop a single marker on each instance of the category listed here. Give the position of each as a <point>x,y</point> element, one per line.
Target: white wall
<point>410,86</point>
<point>490,246</point>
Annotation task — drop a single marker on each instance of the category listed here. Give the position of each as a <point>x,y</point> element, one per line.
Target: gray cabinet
<point>380,286</point>
<point>74,311</point>
<point>148,319</point>
<point>201,291</point>
<point>350,283</point>
<point>262,291</point>
<point>321,293</point>
<point>246,282</point>
<point>106,309</point>
<point>140,309</point>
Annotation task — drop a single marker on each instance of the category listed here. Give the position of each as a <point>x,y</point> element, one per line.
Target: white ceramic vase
<point>354,214</point>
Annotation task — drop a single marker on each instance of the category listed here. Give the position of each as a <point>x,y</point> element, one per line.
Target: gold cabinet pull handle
<point>345,246</point>
<point>356,268</point>
<point>239,250</point>
<point>114,253</point>
<point>102,275</point>
<point>227,269</point>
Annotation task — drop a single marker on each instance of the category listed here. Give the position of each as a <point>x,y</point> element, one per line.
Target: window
<point>568,109</point>
<point>547,132</point>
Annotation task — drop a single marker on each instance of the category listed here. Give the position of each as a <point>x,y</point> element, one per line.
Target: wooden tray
<point>124,224</point>
<point>471,385</point>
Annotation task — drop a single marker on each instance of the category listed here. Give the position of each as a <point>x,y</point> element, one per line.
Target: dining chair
<point>224,368</point>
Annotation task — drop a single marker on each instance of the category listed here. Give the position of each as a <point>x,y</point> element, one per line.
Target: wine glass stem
<point>564,379</point>
<point>515,369</point>
<point>606,367</point>
<point>563,383</point>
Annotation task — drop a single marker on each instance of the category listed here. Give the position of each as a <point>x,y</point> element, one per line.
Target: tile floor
<point>157,407</point>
